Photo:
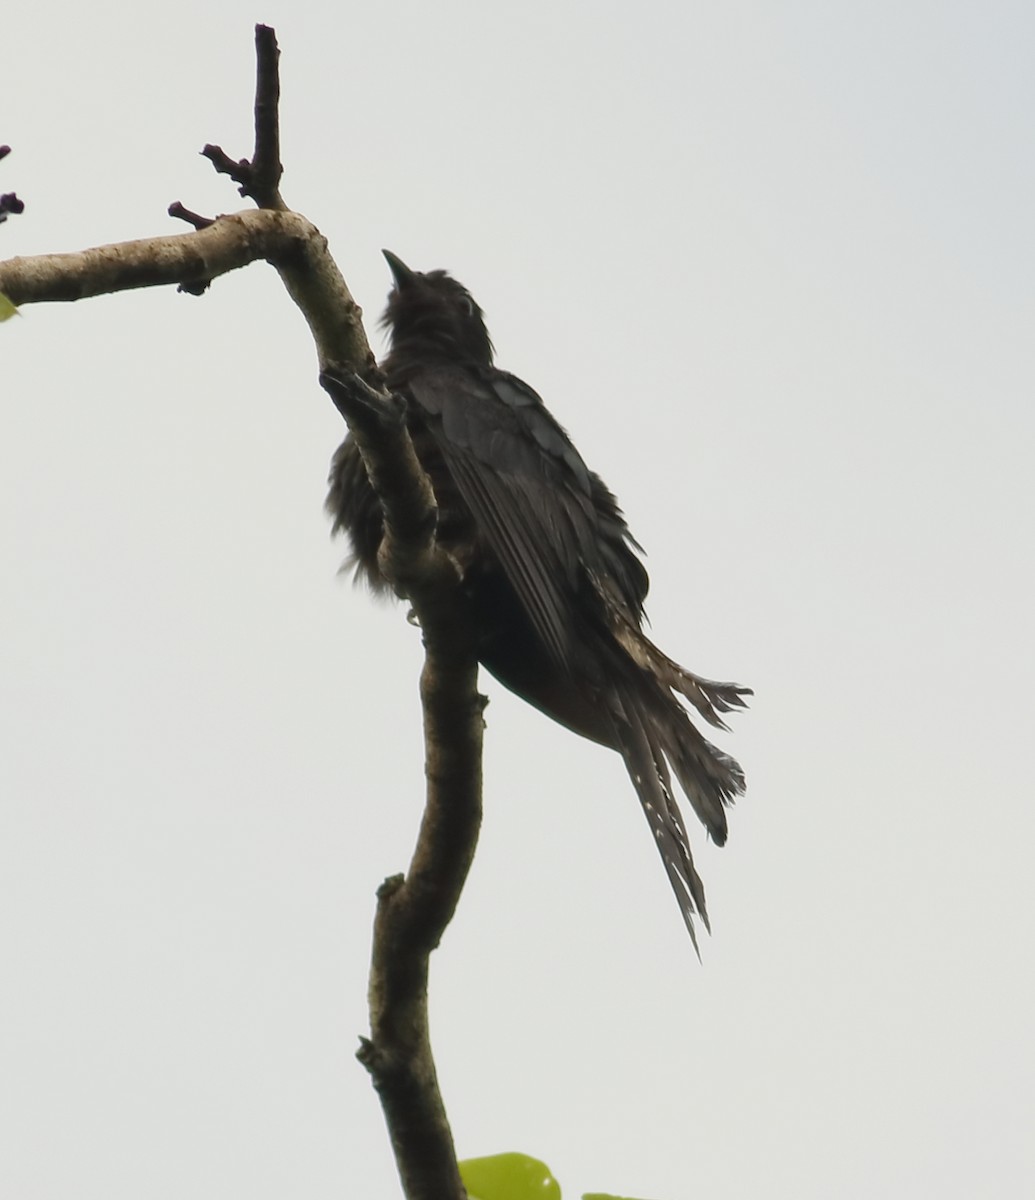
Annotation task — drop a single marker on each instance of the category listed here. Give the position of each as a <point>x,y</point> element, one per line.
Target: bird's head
<point>434,312</point>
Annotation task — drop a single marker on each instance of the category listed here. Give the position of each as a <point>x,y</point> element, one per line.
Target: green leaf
<point>603,1196</point>
<point>508,1177</point>
<point>7,309</point>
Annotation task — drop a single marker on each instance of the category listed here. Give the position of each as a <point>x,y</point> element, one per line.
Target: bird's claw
<point>357,400</point>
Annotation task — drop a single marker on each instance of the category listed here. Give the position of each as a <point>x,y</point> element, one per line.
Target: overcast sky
<point>771,264</point>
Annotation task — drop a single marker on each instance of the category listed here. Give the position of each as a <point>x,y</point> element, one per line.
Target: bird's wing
<point>526,486</point>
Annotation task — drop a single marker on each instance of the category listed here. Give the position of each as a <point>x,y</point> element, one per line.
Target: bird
<point>552,576</point>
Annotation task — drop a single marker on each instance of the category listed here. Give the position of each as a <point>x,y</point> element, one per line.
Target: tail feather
<point>710,778</point>
<point>649,774</point>
<point>656,735</point>
<point>709,696</point>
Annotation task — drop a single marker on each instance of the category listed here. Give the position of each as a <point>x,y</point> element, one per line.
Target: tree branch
<point>412,912</point>
<point>259,177</point>
<point>287,240</point>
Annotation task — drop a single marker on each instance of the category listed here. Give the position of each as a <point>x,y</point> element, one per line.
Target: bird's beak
<point>401,273</point>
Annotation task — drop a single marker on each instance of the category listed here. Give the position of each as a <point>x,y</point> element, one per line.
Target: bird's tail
<point>647,768</point>
<point>657,739</point>
<point>708,696</point>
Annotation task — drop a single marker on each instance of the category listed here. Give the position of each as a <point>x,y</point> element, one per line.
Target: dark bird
<point>548,563</point>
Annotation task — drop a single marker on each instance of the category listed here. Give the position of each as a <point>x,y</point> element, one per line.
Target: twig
<point>266,167</point>
<point>259,177</point>
<point>177,210</point>
<point>9,202</point>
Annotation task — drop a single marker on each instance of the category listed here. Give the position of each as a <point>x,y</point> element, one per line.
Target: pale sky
<point>771,264</point>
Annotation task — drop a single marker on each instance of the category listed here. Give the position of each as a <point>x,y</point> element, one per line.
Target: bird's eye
<point>466,305</point>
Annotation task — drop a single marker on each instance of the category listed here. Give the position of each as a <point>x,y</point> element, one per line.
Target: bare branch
<point>266,167</point>
<point>287,240</point>
<point>150,262</point>
<point>177,210</point>
<point>412,912</point>
<point>240,171</point>
<point>259,177</point>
